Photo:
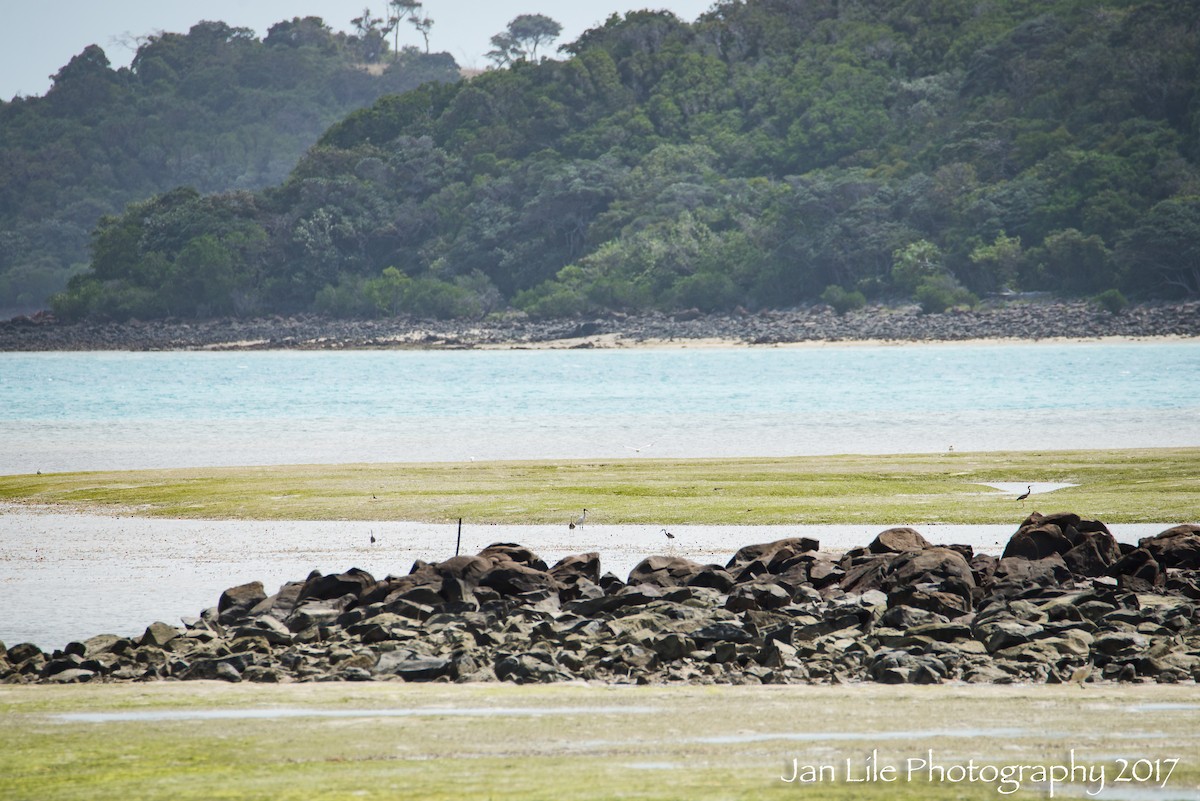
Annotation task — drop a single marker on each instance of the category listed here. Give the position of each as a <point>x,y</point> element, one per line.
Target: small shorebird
<point>1080,674</point>
<point>578,521</point>
<point>668,534</point>
<point>372,537</point>
<point>1025,494</point>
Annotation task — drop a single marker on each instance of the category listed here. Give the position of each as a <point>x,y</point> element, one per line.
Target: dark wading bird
<point>668,534</point>
<point>1025,494</point>
<point>579,520</point>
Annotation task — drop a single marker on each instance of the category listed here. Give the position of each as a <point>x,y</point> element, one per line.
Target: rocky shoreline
<point>1010,320</point>
<point>1064,602</point>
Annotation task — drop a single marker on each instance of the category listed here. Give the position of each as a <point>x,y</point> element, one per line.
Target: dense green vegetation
<point>216,109</point>
<point>935,149</point>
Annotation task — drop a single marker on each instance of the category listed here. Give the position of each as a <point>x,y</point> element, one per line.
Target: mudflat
<point>394,741</point>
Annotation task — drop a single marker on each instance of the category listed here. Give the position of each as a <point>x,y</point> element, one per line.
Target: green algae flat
<point>1117,486</point>
<point>668,743</point>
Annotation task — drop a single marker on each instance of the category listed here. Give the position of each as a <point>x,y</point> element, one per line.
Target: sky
<point>37,39</point>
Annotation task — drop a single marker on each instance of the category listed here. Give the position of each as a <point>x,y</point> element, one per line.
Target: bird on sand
<point>372,537</point>
<point>1080,674</point>
<point>1025,494</point>
<point>578,521</point>
<point>668,534</point>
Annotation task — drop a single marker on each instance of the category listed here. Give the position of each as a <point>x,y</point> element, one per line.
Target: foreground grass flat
<point>1117,486</point>
<point>395,741</point>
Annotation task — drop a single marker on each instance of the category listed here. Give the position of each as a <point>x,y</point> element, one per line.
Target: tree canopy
<point>215,109</point>
<point>939,150</point>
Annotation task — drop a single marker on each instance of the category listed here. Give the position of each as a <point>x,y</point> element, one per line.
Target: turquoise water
<point>72,411</point>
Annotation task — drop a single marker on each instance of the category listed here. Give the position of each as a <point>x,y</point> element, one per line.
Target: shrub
<point>936,293</point>
<point>1112,300</point>
<point>841,300</point>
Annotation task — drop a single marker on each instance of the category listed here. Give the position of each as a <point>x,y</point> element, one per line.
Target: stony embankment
<point>1022,320</point>
<point>1065,602</point>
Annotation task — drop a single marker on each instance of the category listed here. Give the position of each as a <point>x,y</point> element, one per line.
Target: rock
<point>511,552</point>
<point>72,676</point>
<point>672,646</point>
<point>223,669</point>
<point>725,631</point>
<point>1094,553</point>
<point>103,644</point>
<point>1037,540</point>
<point>570,569</point>
<point>514,578</point>
<point>526,668</point>
<point>664,571</point>
<point>1121,643</point>
<point>898,540</point>
<point>23,651</point>
<point>355,673</point>
<point>931,566</point>
<point>159,634</point>
<point>423,668</point>
<point>353,582</point>
<point>865,574</point>
<point>1141,567</point>
<point>1018,571</point>
<point>757,595</point>
<point>1177,547</point>
<point>775,552</point>
<point>1005,633</point>
<point>236,601</point>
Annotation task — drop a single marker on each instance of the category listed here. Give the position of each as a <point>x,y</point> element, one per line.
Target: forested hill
<point>771,153</point>
<point>217,109</point>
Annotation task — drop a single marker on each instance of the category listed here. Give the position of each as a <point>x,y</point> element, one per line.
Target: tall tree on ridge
<point>401,10</point>
<point>522,38</point>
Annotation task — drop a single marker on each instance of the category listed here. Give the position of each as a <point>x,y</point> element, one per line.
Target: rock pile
<point>1022,320</point>
<point>1065,595</point>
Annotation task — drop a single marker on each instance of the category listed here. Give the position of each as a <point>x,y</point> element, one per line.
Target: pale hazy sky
<point>36,38</point>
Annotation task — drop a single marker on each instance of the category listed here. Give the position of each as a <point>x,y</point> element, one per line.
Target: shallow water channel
<point>65,577</point>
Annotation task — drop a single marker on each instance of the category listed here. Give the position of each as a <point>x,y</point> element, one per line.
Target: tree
<point>1164,247</point>
<point>915,262</point>
<point>423,26</point>
<point>522,38</point>
<point>401,10</point>
<point>1000,261</point>
<point>369,36</point>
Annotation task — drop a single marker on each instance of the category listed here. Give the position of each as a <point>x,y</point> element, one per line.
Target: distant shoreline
<point>1010,322</point>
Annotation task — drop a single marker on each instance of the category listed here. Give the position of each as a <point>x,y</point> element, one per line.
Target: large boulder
<point>1138,571</point>
<point>1037,539</point>
<point>1177,547</point>
<point>1019,573</point>
<point>512,552</point>
<point>236,601</point>
<point>776,552</point>
<point>468,569</point>
<point>932,565</point>
<point>666,571</point>
<point>898,540</point>
<point>354,582</point>
<point>515,578</point>
<point>570,569</point>
<point>1093,554</point>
